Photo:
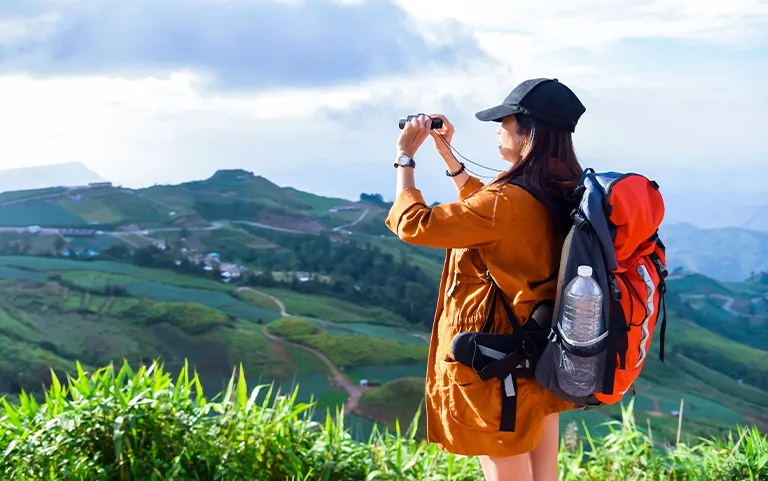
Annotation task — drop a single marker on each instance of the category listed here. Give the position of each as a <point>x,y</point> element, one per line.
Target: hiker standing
<point>502,235</point>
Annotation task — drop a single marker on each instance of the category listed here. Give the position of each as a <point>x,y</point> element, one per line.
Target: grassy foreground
<point>121,424</point>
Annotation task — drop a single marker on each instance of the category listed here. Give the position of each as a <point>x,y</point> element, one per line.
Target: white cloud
<point>172,126</point>
<point>551,25</point>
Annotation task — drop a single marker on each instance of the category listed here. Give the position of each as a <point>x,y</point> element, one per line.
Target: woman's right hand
<point>446,131</point>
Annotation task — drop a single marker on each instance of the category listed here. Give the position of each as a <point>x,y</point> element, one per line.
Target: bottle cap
<point>585,271</point>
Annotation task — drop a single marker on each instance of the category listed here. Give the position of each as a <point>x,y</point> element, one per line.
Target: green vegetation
<point>368,307</point>
<point>342,352</point>
<point>190,318</point>
<point>256,299</point>
<point>327,308</point>
<point>396,402</point>
<point>47,311</point>
<point>20,215</point>
<point>125,424</point>
<point>95,280</point>
<point>13,196</point>
<point>357,272</point>
<point>319,204</point>
<point>47,324</point>
<point>164,276</point>
<point>728,357</point>
<point>361,273</point>
<point>214,299</point>
<point>699,284</point>
<point>735,311</point>
<point>251,349</point>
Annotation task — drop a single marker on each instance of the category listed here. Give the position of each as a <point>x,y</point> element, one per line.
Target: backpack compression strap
<point>663,273</point>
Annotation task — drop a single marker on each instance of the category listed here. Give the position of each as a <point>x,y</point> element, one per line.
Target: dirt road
<point>274,299</point>
<point>352,224</point>
<point>355,392</point>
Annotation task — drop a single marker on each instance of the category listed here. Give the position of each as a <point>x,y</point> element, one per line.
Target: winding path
<point>355,392</point>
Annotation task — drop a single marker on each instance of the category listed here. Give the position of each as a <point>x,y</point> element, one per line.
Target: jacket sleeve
<point>477,220</point>
<point>473,185</point>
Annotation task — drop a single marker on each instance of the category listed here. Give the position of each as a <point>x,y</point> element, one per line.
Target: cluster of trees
<point>375,199</point>
<point>153,256</point>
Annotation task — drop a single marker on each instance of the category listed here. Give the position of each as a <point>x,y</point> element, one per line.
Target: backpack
<point>614,230</point>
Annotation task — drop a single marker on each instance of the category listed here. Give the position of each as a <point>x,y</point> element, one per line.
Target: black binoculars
<point>436,123</point>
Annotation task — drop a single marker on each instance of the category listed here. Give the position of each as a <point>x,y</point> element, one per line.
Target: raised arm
<point>478,221</point>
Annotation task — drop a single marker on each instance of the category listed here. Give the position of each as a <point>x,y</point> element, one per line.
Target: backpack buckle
<point>579,220</point>
<point>659,266</point>
<point>614,287</point>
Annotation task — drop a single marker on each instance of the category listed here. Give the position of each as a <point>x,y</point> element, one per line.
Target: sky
<point>308,92</point>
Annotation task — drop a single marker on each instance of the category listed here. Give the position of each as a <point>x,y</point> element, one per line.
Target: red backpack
<point>614,230</point>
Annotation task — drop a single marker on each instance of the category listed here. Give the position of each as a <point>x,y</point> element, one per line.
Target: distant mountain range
<point>44,176</point>
<point>726,253</point>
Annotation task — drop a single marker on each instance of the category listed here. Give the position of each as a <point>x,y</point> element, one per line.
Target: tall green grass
<point>126,424</point>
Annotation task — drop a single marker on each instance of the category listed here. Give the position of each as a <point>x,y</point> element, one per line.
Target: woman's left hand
<point>413,135</point>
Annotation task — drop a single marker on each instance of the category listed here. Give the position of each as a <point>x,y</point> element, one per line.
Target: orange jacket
<point>508,232</point>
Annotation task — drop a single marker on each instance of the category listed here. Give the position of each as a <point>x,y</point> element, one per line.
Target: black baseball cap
<point>542,98</point>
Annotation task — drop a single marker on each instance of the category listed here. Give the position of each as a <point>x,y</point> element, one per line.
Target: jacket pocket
<point>472,403</point>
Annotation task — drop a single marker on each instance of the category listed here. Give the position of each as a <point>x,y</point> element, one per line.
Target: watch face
<point>405,161</point>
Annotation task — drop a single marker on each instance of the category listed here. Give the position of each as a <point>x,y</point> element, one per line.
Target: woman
<point>507,232</point>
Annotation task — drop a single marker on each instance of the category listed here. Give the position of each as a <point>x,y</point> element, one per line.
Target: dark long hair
<point>550,170</point>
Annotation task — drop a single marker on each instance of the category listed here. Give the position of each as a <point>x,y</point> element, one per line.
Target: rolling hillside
<point>302,288</point>
<point>227,195</point>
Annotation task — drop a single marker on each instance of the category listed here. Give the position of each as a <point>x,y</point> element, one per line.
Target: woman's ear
<point>527,141</point>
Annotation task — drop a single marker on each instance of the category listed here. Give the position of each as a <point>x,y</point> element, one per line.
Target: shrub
<point>190,317</point>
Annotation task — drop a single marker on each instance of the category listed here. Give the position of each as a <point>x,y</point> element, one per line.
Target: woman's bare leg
<point>544,455</point>
<point>512,468</point>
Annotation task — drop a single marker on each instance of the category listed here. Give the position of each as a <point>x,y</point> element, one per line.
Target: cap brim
<point>497,114</point>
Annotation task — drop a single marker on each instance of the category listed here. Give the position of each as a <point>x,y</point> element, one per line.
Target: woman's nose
<point>498,130</point>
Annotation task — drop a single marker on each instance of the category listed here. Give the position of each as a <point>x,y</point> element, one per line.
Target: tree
<point>59,244</point>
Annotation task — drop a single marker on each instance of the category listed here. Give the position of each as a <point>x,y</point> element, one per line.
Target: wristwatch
<point>405,161</point>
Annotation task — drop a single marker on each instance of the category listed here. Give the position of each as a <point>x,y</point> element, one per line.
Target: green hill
<point>738,311</point>
<point>231,195</point>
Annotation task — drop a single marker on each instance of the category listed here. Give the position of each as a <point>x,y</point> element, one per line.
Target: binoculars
<point>436,123</point>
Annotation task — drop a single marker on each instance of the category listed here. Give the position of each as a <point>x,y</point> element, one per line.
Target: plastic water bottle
<point>581,328</point>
